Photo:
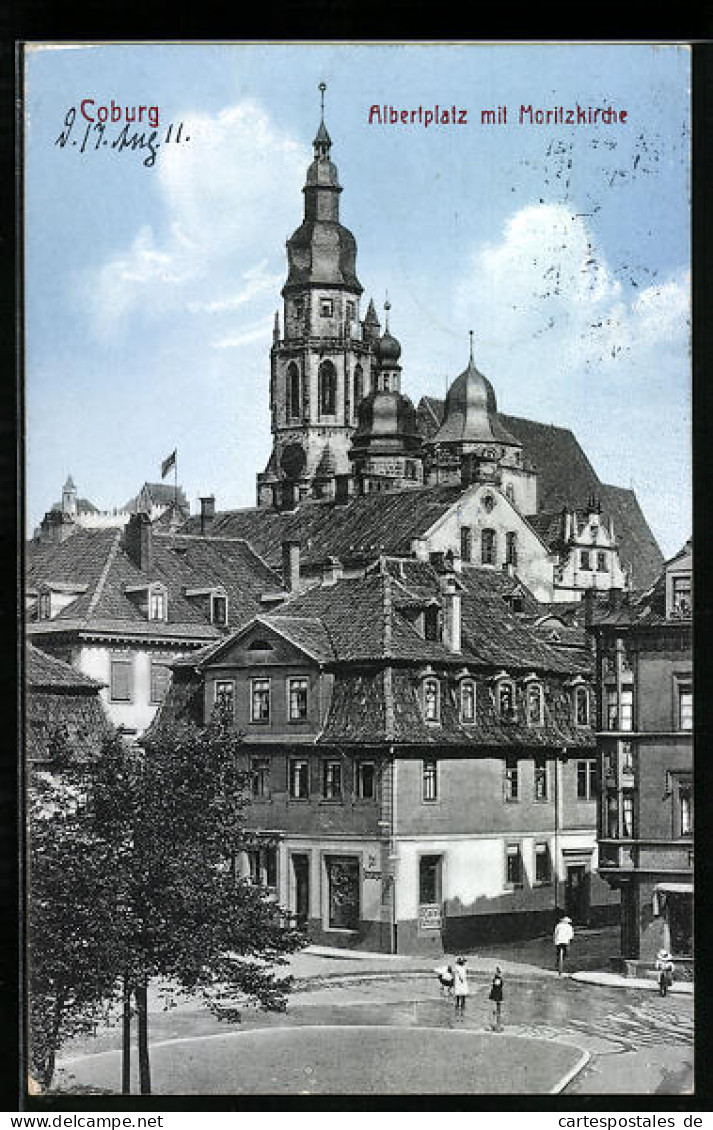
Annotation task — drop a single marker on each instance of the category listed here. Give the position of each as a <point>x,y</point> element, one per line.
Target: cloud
<point>237,176</point>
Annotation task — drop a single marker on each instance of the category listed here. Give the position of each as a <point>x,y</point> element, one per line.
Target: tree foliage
<point>150,888</point>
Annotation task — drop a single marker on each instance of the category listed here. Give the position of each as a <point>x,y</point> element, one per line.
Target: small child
<point>460,986</point>
<point>496,996</point>
<point>664,968</point>
<point>445,980</point>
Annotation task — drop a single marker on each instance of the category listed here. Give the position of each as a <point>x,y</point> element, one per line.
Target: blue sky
<point>150,291</point>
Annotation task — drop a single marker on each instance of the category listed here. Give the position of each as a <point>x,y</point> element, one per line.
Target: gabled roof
<point>567,478</point>
<point>161,494</point>
<point>97,558</point>
<point>63,710</point>
<point>43,671</point>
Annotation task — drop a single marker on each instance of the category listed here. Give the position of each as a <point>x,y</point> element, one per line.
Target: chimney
<point>342,485</point>
<point>331,571</point>
<point>451,596</point>
<point>56,527</point>
<point>291,564</point>
<point>207,511</point>
<point>138,541</point>
<point>437,558</point>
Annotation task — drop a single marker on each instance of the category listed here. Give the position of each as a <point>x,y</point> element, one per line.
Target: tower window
<point>584,560</point>
<point>326,307</point>
<point>487,547</point>
<point>602,564</point>
<point>327,389</point>
<point>358,385</point>
<point>511,548</point>
<point>351,311</point>
<point>293,390</point>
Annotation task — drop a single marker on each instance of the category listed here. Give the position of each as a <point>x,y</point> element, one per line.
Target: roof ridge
<point>113,550</point>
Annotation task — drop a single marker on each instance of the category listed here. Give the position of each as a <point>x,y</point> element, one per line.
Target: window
<point>120,680</point>
<point>681,598</point>
<point>327,389</point>
<point>430,700</point>
<point>543,863</point>
<point>293,390</point>
<point>586,779</point>
<point>512,779</point>
<point>685,706</point>
<point>626,714</point>
<point>332,780</point>
<point>612,817</point>
<point>685,810</point>
<point>584,559</point>
<point>534,704</point>
<point>326,307</point>
<point>581,706</point>
<point>343,893</point>
<point>510,492</point>
<point>351,311</point>
<point>511,549</point>
<point>467,700</point>
<point>429,779</point>
<point>429,879</point>
<point>44,608</point>
<point>298,699</point>
<point>540,777</point>
<point>298,778</point>
<point>431,623</point>
<point>225,696</point>
<point>262,862</point>
<point>219,609</point>
<point>612,710</point>
<point>602,563</point>
<point>466,543</point>
<point>366,780</point>
<point>627,814</point>
<point>260,772</point>
<point>513,865</point>
<point>160,679</point>
<point>158,605</point>
<point>506,701</point>
<point>627,758</point>
<point>487,547</point>
<point>358,385</point>
<point>260,700</point>
<point>298,307</point>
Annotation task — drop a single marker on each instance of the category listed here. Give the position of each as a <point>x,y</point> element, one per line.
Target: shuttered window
<point>121,680</point>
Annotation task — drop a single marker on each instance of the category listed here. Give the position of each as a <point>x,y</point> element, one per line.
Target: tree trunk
<point>143,1026</point>
<point>126,1040</point>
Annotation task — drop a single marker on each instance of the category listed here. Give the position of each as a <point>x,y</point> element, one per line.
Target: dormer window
<point>467,701</point>
<point>431,700</point>
<point>158,604</point>
<point>219,609</point>
<point>535,704</point>
<point>581,706</point>
<point>431,623</point>
<point>681,599</point>
<point>44,607</point>
<point>505,698</point>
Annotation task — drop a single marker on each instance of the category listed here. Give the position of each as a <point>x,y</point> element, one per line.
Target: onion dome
<point>387,349</point>
<point>471,411</point>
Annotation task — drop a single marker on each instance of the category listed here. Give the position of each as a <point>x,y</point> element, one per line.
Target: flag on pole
<point>169,462</point>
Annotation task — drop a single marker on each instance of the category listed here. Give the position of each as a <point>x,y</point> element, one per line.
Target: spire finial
<point>322,87</point>
<point>472,360</point>
<point>387,307</point>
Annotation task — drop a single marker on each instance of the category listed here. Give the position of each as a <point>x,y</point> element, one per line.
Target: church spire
<point>322,142</point>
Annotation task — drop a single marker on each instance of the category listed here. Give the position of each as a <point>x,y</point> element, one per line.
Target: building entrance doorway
<point>576,894</point>
<point>300,875</point>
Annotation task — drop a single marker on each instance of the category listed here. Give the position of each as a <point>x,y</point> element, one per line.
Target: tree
<point>168,821</point>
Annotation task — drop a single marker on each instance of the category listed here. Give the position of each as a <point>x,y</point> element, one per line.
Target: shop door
<point>576,894</point>
<point>343,892</point>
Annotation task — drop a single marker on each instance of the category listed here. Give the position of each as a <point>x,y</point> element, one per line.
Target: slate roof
<point>97,559</point>
<point>161,494</point>
<point>567,478</point>
<point>84,506</point>
<point>43,671</point>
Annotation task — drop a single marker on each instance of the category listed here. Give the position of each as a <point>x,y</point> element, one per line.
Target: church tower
<point>321,360</point>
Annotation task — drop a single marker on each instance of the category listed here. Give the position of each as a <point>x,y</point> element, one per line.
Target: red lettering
<point>86,102</point>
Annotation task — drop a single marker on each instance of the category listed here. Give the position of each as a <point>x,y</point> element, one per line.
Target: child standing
<point>664,968</point>
<point>496,996</point>
<point>445,979</point>
<point>460,985</point>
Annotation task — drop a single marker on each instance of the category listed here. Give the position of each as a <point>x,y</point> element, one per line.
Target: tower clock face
<point>293,461</point>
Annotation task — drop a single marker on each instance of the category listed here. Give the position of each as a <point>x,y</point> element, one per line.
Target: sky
<point>151,284</point>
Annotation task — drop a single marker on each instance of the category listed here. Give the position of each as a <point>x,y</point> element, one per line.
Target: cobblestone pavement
<point>637,1041</point>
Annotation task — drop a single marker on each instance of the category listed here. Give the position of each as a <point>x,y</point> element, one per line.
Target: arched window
<point>327,389</point>
<point>534,704</point>
<point>487,547</point>
<point>581,706</point>
<point>506,700</point>
<point>293,390</point>
<point>431,700</point>
<point>358,385</point>
<point>467,700</point>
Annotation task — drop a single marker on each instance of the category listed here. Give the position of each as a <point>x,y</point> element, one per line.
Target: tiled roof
<point>161,494</point>
<point>366,526</point>
<point>84,506</point>
<point>44,671</point>
<point>567,478</point>
<point>98,559</point>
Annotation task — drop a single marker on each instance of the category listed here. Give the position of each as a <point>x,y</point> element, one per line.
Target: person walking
<point>664,968</point>
<point>562,939</point>
<point>496,996</point>
<point>445,980</point>
<point>460,985</point>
